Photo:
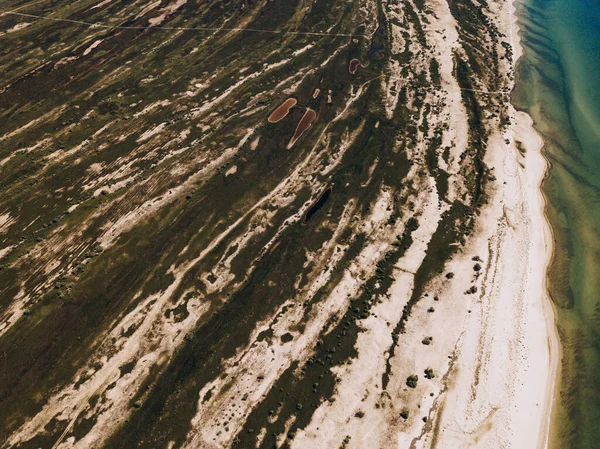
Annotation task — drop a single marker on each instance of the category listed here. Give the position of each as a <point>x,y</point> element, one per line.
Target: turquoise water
<point>558,83</point>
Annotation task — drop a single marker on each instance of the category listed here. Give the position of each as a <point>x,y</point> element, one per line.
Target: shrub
<point>412,380</point>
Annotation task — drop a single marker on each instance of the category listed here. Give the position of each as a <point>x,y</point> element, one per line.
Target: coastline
<point>544,245</point>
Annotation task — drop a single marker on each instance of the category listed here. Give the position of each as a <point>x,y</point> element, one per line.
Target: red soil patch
<point>282,110</point>
<point>303,125</point>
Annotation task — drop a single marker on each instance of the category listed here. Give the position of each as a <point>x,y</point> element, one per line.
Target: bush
<point>411,381</point>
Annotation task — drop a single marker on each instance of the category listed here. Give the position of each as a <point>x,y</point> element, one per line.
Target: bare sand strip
<point>544,241</point>
<point>543,250</point>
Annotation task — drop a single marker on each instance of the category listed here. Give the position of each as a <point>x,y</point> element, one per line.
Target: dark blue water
<point>558,83</point>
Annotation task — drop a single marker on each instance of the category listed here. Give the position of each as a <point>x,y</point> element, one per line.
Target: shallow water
<point>559,85</point>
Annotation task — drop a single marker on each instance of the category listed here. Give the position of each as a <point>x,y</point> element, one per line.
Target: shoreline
<point>547,248</point>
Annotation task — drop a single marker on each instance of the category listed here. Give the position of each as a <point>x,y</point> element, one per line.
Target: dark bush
<point>411,381</point>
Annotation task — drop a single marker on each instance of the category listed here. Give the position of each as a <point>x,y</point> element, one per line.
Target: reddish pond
<point>303,125</point>
<point>282,110</point>
<point>353,66</point>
